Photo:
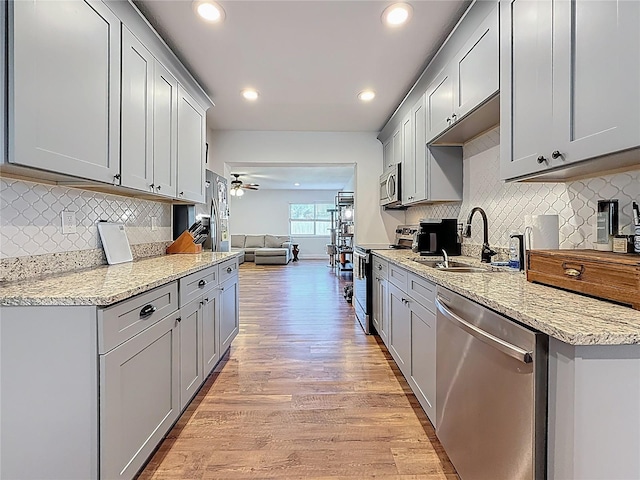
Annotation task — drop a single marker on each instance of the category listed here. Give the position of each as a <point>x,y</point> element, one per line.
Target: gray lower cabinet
<point>400,329</point>
<point>380,299</point>
<point>140,397</point>
<point>210,331</point>
<point>412,335</point>
<point>229,309</point>
<point>568,93</point>
<point>191,364</point>
<point>60,120</point>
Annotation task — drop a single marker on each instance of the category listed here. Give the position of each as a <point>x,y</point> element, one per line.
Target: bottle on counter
<point>516,250</point>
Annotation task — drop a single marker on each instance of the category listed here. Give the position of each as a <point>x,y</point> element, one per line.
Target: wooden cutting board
<point>605,275</point>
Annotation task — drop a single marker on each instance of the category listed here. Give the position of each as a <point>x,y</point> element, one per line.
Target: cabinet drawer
<point>380,267</point>
<point>194,285</point>
<point>228,269</point>
<point>423,291</point>
<point>398,276</point>
<point>120,322</point>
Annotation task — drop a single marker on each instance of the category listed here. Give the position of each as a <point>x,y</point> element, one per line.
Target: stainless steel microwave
<point>390,194</point>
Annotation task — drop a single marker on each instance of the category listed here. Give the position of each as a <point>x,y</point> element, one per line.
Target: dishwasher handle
<point>491,340</point>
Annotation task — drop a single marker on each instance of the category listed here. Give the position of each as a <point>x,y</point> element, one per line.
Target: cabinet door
<point>396,140</point>
<point>191,148</point>
<point>210,328</point>
<point>408,161</point>
<point>525,87</point>
<point>139,397</point>
<point>387,154</point>
<point>137,109</point>
<point>418,180</point>
<point>423,358</point>
<point>380,308</point>
<point>477,67</point>
<point>191,371</point>
<point>65,88</point>
<point>440,103</point>
<point>165,136</point>
<point>400,329</point>
<point>229,313</point>
<point>596,78</point>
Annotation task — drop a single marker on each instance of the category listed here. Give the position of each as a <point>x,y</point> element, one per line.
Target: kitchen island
<point>594,365</point>
<point>96,365</point>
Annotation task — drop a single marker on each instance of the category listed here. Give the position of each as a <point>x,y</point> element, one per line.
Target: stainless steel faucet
<point>487,253</point>
<point>446,258</point>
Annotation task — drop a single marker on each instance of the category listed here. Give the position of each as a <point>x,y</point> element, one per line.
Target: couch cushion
<point>271,241</point>
<point>254,241</point>
<point>237,241</point>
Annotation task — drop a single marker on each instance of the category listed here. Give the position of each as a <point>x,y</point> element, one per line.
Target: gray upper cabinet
<point>467,81</point>
<point>387,154</point>
<point>165,132</point>
<point>440,104</point>
<point>191,148</point>
<point>570,74</point>
<point>137,114</point>
<point>65,87</point>
<point>408,160</point>
<point>476,68</point>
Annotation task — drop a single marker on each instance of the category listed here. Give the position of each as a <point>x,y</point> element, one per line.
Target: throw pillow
<point>271,241</point>
<point>254,241</point>
<point>237,241</point>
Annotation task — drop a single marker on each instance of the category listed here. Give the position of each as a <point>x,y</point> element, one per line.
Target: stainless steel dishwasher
<point>491,388</point>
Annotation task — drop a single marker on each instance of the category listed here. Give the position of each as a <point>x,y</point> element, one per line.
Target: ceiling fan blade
<point>250,187</point>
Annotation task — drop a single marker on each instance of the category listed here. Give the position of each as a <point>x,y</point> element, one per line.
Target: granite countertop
<point>572,318</point>
<point>107,284</point>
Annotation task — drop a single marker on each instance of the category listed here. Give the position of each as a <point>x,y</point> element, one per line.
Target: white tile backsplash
<point>506,204</point>
<point>31,224</point>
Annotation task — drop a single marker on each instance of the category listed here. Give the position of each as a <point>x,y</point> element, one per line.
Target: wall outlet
<point>68,222</point>
<point>154,223</point>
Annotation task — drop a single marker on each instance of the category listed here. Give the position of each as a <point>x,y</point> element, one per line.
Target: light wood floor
<point>302,394</point>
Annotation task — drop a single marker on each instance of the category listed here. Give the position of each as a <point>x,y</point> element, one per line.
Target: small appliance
<point>390,194</point>
<point>435,235</point>
<point>606,224</point>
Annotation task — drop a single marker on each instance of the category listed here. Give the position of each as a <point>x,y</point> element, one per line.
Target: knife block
<point>184,244</point>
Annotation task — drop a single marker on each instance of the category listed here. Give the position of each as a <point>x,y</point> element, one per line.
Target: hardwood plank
<point>303,393</point>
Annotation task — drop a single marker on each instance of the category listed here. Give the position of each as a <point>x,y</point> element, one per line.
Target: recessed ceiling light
<point>210,11</point>
<point>250,94</point>
<point>397,14</point>
<point>367,95</point>
<point>296,184</point>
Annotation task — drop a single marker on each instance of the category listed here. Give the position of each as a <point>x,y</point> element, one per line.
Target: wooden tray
<point>605,275</point>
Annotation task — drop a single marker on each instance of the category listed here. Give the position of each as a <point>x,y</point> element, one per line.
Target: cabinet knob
<point>202,283</point>
<point>116,178</point>
<point>151,186</point>
<point>158,187</point>
<point>181,193</point>
<point>453,117</point>
<point>541,159</point>
<point>379,267</point>
<point>229,269</point>
<point>448,120</point>
<point>556,154</point>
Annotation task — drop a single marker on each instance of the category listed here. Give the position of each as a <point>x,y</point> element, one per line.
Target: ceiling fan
<point>238,187</point>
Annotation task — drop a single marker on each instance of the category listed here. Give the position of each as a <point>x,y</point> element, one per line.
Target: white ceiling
<point>283,177</point>
<point>307,58</point>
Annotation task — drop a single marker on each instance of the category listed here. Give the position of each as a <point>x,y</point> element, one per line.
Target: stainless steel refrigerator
<point>217,209</point>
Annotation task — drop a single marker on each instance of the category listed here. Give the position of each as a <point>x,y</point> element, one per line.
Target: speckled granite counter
<point>109,283</point>
<point>569,317</point>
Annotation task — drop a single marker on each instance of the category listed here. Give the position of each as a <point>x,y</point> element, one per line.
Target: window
<point>310,218</point>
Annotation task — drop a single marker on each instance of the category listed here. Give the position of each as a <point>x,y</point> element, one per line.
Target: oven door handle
<point>491,340</point>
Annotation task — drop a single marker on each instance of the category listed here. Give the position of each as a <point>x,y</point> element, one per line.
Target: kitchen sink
<point>453,266</point>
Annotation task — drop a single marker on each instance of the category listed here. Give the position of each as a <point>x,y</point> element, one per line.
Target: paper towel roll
<point>542,232</point>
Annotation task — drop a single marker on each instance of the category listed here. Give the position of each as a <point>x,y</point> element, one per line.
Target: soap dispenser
<point>516,251</point>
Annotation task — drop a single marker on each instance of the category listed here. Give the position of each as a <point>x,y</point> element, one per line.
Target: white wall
<point>267,211</point>
<point>362,149</point>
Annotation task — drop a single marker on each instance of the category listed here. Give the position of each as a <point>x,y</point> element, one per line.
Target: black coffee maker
<point>436,235</point>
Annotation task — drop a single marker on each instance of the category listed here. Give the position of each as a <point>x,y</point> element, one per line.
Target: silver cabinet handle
<point>229,269</point>
<point>491,340</point>
<point>147,311</point>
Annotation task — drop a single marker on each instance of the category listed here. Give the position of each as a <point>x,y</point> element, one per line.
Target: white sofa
<point>263,249</point>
